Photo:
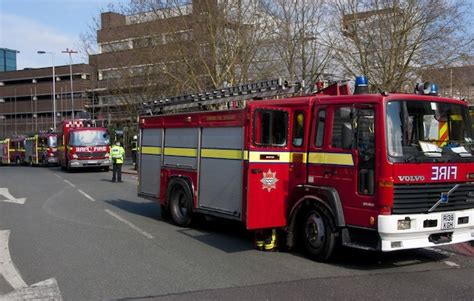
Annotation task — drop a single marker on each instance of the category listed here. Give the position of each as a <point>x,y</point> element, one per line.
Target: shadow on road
<point>373,260</point>
<point>227,236</point>
<point>146,209</point>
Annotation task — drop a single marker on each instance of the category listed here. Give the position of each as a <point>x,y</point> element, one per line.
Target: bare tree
<point>390,40</point>
<point>301,37</point>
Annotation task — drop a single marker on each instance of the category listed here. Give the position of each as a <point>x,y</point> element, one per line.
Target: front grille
<point>85,155</point>
<point>410,199</point>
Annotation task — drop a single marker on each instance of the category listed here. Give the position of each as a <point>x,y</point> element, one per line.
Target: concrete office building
<point>26,97</point>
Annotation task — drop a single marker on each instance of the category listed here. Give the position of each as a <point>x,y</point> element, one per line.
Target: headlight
<point>107,155</point>
<point>75,156</point>
<point>404,224</point>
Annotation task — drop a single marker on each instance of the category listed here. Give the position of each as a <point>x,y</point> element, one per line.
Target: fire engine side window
<point>298,129</point>
<point>341,116</point>
<point>320,125</point>
<point>270,128</point>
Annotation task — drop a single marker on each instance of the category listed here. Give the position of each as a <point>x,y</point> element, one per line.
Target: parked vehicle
<point>41,149</point>
<point>83,143</point>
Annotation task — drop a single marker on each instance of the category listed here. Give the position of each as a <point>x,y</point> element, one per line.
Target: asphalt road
<point>78,236</point>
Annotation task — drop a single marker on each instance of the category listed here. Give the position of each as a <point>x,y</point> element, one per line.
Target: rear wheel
<point>180,205</point>
<point>317,233</point>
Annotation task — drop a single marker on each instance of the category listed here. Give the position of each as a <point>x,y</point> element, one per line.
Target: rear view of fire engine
<point>374,171</point>
<point>41,149</point>
<point>83,143</point>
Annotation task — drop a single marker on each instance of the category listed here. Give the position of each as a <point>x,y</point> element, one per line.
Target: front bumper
<point>422,233</point>
<point>52,160</point>
<point>77,163</point>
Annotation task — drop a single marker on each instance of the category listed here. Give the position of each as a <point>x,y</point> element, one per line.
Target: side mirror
<point>346,135</point>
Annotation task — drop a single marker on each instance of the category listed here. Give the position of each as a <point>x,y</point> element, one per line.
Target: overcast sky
<point>48,25</point>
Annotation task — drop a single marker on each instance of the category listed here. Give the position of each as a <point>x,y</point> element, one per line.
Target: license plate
<point>447,221</point>
<point>92,162</point>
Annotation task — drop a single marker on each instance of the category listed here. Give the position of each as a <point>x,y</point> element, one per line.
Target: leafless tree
<point>390,40</point>
<point>301,37</point>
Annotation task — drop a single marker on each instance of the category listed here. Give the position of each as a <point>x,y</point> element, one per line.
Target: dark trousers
<point>117,172</point>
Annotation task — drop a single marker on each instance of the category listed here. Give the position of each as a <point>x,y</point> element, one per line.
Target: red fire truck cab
<point>83,144</point>
<point>379,172</point>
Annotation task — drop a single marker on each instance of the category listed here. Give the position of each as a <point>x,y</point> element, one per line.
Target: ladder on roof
<point>273,88</point>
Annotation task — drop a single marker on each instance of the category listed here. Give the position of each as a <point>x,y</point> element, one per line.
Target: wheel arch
<point>185,182</point>
<point>327,197</point>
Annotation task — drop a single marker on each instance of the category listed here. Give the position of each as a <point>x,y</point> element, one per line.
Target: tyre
<point>180,204</point>
<point>317,233</point>
<point>44,163</point>
<point>106,169</point>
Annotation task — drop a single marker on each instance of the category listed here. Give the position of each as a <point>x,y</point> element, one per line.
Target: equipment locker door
<point>268,168</point>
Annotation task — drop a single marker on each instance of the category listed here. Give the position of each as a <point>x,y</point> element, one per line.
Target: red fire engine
<point>41,149</point>
<point>12,150</point>
<point>83,143</point>
<point>377,171</point>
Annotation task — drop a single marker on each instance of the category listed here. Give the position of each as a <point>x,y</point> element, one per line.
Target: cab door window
<point>342,121</point>
<point>298,129</point>
<point>270,128</point>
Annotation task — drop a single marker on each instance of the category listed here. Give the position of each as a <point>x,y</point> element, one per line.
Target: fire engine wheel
<point>317,233</point>
<point>180,205</point>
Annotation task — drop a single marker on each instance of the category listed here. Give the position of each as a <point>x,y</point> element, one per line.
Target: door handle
<point>256,170</point>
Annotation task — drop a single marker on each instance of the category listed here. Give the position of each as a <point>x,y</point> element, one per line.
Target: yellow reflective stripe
<point>234,154</point>
<point>180,152</point>
<point>331,158</point>
<point>151,150</point>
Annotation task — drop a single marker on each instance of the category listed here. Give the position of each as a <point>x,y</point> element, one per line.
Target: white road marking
<point>69,183</point>
<point>86,195</point>
<point>44,290</point>
<point>451,264</point>
<point>58,176</point>
<point>146,234</point>
<point>10,198</point>
<point>7,268</point>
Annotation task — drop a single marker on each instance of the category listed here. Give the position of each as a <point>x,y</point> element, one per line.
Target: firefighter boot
<point>270,241</point>
<point>259,240</point>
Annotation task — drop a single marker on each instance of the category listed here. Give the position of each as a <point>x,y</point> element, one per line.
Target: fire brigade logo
<point>269,180</point>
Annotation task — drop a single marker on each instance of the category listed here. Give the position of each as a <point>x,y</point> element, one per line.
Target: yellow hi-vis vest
<point>117,153</point>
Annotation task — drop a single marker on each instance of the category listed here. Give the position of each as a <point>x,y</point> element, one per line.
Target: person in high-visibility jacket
<point>117,153</point>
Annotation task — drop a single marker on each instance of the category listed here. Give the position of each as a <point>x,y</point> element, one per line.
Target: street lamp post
<point>70,52</point>
<point>54,86</point>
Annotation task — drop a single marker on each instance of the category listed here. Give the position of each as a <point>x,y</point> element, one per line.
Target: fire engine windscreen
<point>89,138</point>
<point>52,141</point>
<point>424,130</point>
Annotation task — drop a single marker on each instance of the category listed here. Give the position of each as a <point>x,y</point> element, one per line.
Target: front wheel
<point>180,205</point>
<point>317,233</point>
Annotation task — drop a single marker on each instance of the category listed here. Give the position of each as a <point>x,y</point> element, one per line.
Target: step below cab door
<point>268,168</point>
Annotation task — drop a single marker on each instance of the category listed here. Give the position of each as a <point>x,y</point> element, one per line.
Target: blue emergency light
<point>361,85</point>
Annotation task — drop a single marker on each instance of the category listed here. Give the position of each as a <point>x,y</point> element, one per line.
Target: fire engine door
<point>350,163</point>
<point>268,168</point>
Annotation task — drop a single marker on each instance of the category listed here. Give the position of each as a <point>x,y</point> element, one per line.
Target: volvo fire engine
<point>41,149</point>
<point>12,150</point>
<point>386,171</point>
<point>84,143</point>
